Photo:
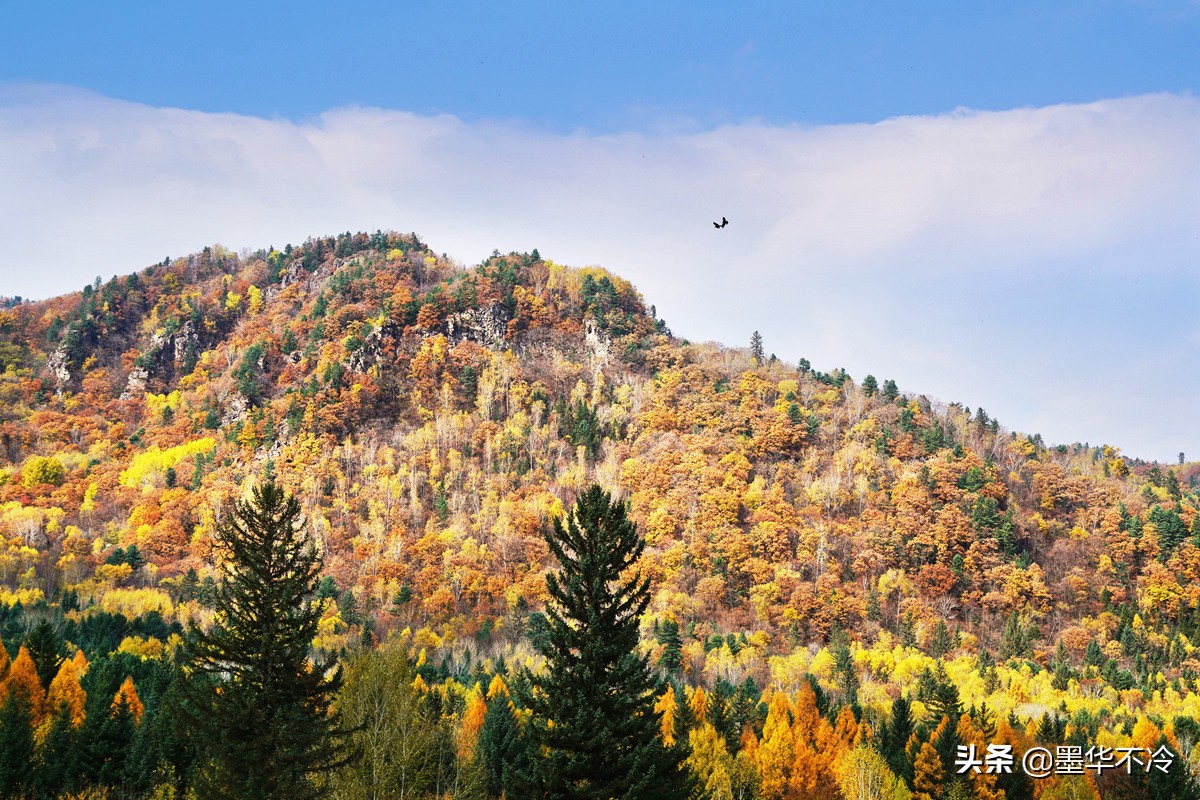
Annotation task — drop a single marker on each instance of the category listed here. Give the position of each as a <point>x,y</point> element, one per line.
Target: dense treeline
<point>803,531</point>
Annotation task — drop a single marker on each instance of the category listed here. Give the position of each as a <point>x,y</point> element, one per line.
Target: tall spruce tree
<point>756,348</point>
<point>594,704</point>
<point>264,720</point>
<point>16,746</point>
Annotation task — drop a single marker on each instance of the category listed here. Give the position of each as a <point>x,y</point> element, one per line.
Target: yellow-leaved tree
<point>664,706</point>
<point>66,693</point>
<point>927,774</point>
<point>22,682</point>
<point>710,761</point>
<point>127,695</point>
<point>865,775</point>
<point>777,749</point>
<point>472,723</point>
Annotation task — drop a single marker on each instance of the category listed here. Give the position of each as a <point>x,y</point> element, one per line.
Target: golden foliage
<point>127,695</point>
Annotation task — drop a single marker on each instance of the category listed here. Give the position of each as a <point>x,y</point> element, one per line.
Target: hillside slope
<point>432,418</point>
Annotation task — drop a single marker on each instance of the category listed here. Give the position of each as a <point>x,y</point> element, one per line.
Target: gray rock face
<point>60,367</point>
<point>295,272</point>
<point>174,344</point>
<point>487,326</point>
<point>598,343</point>
<point>184,337</point>
<point>235,409</point>
<point>371,352</point>
<point>135,385</point>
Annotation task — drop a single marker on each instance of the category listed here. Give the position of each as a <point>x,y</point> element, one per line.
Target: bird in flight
<point>721,224</point>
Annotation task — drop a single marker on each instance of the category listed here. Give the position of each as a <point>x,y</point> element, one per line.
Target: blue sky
<point>609,66</point>
<point>994,204</point>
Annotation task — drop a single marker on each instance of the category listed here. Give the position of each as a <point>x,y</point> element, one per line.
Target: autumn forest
<point>849,584</point>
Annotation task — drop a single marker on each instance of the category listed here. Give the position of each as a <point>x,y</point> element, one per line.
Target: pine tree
<point>56,766</point>
<point>940,642</point>
<point>672,642</point>
<point>265,720</point>
<point>594,705</point>
<point>756,348</point>
<point>16,745</point>
<point>896,738</point>
<point>505,750</point>
<point>45,646</point>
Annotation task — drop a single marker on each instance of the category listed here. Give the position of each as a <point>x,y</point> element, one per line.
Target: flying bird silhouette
<point>721,224</point>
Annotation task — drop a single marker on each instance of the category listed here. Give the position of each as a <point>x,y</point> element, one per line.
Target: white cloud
<point>929,249</point>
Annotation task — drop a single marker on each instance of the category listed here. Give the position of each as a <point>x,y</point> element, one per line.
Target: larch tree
<point>776,752</point>
<point>594,703</point>
<point>65,692</point>
<point>127,695</point>
<point>265,720</point>
<point>927,774</point>
<point>23,683</point>
<point>710,761</point>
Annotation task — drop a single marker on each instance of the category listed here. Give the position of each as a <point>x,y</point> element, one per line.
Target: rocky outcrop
<point>186,340</point>
<point>487,326</point>
<point>135,384</point>
<point>60,367</point>
<point>599,345</point>
<point>167,352</point>
<point>236,407</point>
<point>373,346</point>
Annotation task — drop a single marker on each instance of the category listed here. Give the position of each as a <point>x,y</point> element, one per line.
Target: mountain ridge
<point>433,417</point>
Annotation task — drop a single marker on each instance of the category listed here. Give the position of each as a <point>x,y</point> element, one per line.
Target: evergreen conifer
<point>594,704</point>
<point>265,720</point>
<point>756,348</point>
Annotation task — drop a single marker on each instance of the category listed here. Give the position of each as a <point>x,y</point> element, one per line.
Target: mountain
<point>433,418</point>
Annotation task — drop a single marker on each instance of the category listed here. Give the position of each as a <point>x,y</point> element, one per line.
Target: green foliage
<point>403,744</point>
<point>131,556</point>
<point>844,668</point>
<point>985,514</point>
<point>974,479</point>
<point>505,750</point>
<point>672,642</point>
<point>16,747</point>
<point>756,348</point>
<point>249,373</point>
<point>1018,638</point>
<point>596,690</point>
<point>1172,530</point>
<point>579,424</point>
<point>940,642</point>
<point>267,730</point>
<point>940,695</point>
<point>894,738</point>
<point>46,647</point>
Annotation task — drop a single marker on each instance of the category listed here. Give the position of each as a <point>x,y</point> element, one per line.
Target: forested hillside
<point>846,575</point>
